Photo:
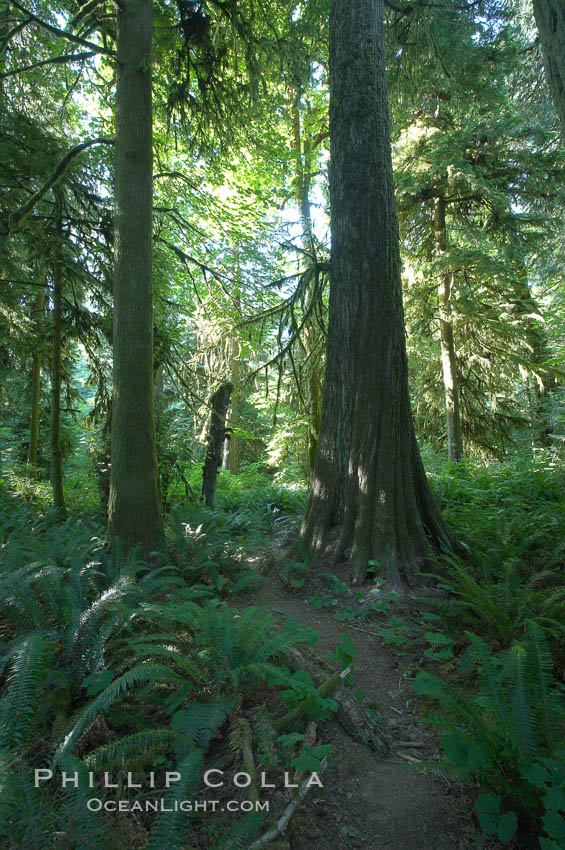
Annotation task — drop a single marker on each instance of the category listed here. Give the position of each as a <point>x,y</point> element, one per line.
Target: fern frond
<point>147,741</point>
<point>168,831</point>
<point>142,674</point>
<point>30,664</point>
<point>201,720</point>
<point>241,835</point>
<point>541,684</point>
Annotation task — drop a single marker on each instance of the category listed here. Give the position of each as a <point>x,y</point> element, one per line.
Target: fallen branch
<point>328,688</point>
<point>284,820</point>
<point>350,714</point>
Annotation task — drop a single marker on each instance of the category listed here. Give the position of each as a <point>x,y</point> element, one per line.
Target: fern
<point>168,831</point>
<point>155,674</point>
<point>549,714</point>
<point>241,835</point>
<point>200,721</point>
<point>28,818</point>
<point>516,718</point>
<point>30,663</point>
<point>145,742</point>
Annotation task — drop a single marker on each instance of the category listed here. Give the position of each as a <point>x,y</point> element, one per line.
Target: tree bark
<point>134,512</point>
<point>368,474</point>
<point>448,360</point>
<point>219,402</point>
<point>302,150</point>
<point>231,441</point>
<point>56,369</point>
<point>314,418</point>
<point>550,20</point>
<point>36,387</point>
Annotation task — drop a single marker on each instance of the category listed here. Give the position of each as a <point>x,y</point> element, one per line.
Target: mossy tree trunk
<point>368,474</point>
<point>219,403</point>
<point>550,20</point>
<point>448,359</point>
<point>33,446</point>
<point>56,365</point>
<point>134,512</point>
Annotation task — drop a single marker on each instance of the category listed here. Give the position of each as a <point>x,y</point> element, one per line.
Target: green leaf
<point>536,774</point>
<point>427,685</point>
<point>554,825</point>
<point>555,799</point>
<point>507,825</point>
<point>291,739</point>
<point>487,803</point>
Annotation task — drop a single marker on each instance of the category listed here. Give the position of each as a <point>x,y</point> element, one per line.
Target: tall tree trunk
<point>231,444</point>
<point>56,370</point>
<point>36,386</point>
<point>219,403</point>
<point>368,473</point>
<point>448,361</point>
<point>303,159</point>
<point>314,418</point>
<point>550,20</point>
<point>545,377</point>
<point>134,512</point>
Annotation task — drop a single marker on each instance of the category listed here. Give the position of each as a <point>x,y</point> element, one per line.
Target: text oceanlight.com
<point>95,804</point>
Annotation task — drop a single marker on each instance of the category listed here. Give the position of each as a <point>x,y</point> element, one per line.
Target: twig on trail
<point>284,820</point>
<point>412,744</point>
<point>359,629</point>
<point>410,758</point>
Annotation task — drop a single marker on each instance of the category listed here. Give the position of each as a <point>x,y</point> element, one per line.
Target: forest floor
<point>401,802</point>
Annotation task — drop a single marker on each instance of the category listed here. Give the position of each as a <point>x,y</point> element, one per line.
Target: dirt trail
<point>369,802</point>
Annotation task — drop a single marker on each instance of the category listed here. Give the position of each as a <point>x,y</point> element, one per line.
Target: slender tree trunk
<point>231,451</point>
<point>545,379</point>
<point>36,387</point>
<point>219,403</point>
<point>56,369</point>
<point>550,20</point>
<point>303,181</point>
<point>368,474</point>
<point>134,512</point>
<point>314,420</point>
<point>448,360</point>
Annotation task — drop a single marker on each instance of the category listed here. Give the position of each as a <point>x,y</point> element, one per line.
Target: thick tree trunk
<point>550,20</point>
<point>448,361</point>
<point>56,369</point>
<point>134,511</point>
<point>219,403</point>
<point>368,474</point>
<point>36,387</point>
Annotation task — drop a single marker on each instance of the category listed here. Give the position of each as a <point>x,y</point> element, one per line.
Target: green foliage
<point>107,665</point>
<point>496,737</point>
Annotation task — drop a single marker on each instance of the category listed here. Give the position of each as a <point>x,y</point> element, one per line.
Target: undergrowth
<point>111,669</point>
